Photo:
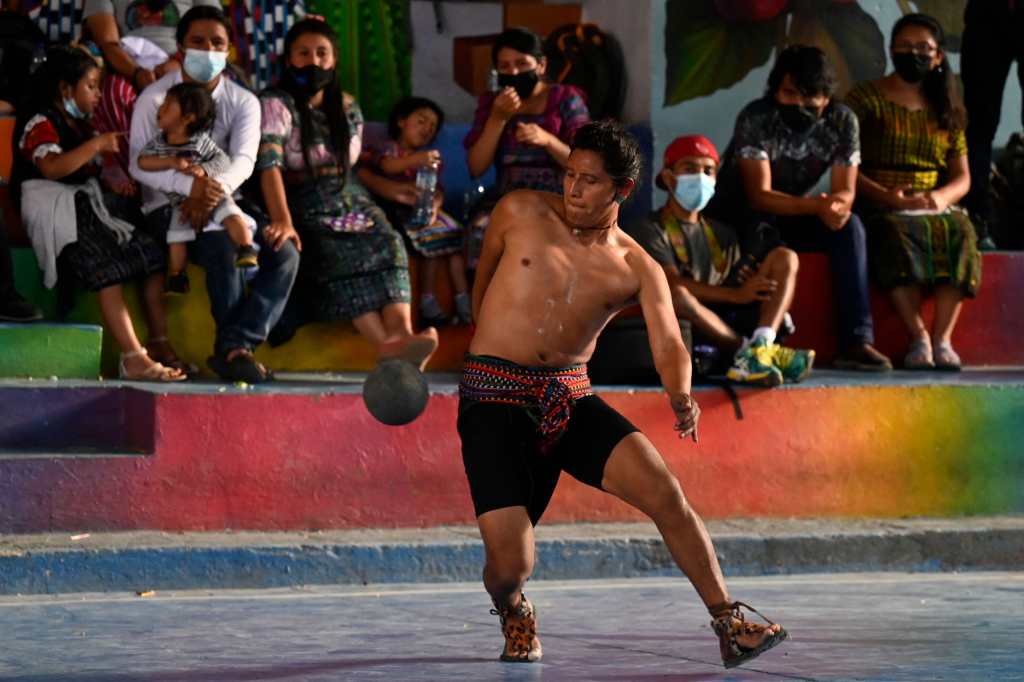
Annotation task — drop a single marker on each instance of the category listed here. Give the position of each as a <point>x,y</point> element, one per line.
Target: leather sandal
<point>519,625</point>
<point>729,624</point>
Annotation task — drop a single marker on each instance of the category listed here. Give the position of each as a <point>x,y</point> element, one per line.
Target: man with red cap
<point>737,303</point>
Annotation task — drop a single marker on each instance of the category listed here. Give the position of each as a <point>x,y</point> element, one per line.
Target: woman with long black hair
<point>354,265</point>
<point>913,173</point>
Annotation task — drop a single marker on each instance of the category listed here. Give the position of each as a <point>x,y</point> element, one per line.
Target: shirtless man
<point>553,272</point>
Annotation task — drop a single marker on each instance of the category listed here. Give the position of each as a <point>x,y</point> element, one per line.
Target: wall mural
<point>711,45</point>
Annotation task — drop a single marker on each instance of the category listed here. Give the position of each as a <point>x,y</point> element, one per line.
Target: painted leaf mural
<point>704,53</point>
<point>712,44</point>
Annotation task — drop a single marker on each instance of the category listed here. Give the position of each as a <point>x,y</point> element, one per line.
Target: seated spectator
<point>709,279</point>
<point>413,125</point>
<point>184,144</point>
<point>524,128</point>
<point>782,146</point>
<point>354,265</point>
<point>135,63</point>
<point>82,230</point>
<point>244,311</point>
<point>914,172</point>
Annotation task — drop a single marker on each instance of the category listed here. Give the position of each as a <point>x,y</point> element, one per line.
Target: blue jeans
<point>244,310</point>
<point>848,261</point>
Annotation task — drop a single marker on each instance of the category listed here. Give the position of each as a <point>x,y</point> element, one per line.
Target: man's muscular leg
<point>509,549</point>
<point>638,475</point>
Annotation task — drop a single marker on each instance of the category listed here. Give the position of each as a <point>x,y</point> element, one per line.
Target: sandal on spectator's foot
<point>177,285</point>
<point>166,356</point>
<point>919,356</point>
<point>416,348</point>
<point>241,367</point>
<point>729,624</point>
<point>519,625</point>
<point>156,372</point>
<point>946,359</point>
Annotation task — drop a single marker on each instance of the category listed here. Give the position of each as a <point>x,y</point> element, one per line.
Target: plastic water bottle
<point>426,189</point>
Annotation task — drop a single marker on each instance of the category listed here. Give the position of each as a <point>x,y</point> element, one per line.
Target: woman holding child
<point>914,171</point>
<point>354,265</point>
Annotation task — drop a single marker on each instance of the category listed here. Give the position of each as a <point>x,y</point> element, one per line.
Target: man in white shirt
<point>243,319</point>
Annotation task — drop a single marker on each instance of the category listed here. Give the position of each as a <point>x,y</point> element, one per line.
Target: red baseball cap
<point>687,145</point>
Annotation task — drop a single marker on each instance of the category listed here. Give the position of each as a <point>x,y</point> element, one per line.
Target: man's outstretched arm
<point>671,358</point>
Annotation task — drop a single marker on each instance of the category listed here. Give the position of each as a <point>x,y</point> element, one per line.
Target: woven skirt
<point>96,260</point>
<point>925,250</point>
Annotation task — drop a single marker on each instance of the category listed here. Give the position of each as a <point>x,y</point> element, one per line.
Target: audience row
<point>293,220</point>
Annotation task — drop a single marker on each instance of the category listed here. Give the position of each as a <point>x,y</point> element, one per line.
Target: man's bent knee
<point>785,259</point>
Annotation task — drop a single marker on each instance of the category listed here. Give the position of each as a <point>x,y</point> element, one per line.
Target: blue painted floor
<point>891,627</point>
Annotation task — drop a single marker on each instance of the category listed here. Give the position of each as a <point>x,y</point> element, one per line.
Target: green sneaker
<point>794,363</point>
<point>755,364</point>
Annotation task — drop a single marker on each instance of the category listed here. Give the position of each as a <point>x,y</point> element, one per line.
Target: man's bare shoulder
<point>639,261</point>
<point>525,207</point>
<point>529,199</point>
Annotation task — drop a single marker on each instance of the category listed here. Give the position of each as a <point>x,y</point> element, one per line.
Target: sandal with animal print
<point>519,625</point>
<point>729,624</point>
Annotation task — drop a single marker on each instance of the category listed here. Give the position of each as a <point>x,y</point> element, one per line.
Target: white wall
<point>432,74</point>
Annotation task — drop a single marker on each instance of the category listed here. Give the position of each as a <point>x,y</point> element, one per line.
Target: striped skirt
<point>927,250</point>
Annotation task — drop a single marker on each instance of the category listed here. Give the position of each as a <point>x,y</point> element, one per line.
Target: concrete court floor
<point>883,626</point>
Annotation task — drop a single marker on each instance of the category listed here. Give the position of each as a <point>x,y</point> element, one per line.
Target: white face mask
<point>693,191</point>
<point>202,65</point>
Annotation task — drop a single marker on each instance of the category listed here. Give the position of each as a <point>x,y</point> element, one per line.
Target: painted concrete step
<point>142,561</point>
<point>41,422</point>
<point>989,332</point>
<point>300,455</point>
<point>44,349</point>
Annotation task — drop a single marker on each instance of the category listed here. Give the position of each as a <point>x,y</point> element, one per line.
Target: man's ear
<point>622,193</point>
<point>668,178</point>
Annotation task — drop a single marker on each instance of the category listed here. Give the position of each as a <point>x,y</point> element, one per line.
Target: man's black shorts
<point>504,465</point>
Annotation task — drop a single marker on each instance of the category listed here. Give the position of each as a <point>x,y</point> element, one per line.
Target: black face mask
<point>796,117</point>
<point>912,67</point>
<point>523,82</point>
<point>308,80</point>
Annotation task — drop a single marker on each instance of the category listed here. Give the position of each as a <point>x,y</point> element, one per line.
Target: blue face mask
<point>203,66</point>
<point>71,106</point>
<point>694,190</point>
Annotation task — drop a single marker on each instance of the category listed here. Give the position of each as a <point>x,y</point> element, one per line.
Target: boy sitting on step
<point>738,302</point>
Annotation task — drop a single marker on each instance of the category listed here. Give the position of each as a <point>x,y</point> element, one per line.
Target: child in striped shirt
<point>184,145</point>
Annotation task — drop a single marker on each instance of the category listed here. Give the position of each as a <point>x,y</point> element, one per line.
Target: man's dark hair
<point>405,107</point>
<point>616,146</point>
<point>198,13</point>
<point>519,39</point>
<point>808,67</point>
<point>194,99</point>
